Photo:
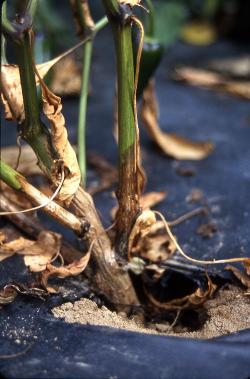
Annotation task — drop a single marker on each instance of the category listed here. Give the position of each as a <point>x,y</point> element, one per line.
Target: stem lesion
<point>128,193</point>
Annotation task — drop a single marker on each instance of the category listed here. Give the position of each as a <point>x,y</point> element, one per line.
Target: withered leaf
<point>52,108</point>
<point>194,300</point>
<point>16,246</point>
<point>41,253</point>
<point>150,199</point>
<point>131,3</point>
<point>154,246</point>
<point>37,254</point>
<point>171,144</point>
<point>209,79</point>
<point>7,295</point>
<point>73,269</point>
<point>243,277</point>
<point>11,90</point>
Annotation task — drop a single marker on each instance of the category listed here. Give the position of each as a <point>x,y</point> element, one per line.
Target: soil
<point>227,312</point>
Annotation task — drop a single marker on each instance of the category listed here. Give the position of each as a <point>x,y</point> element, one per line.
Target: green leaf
<point>170,16</point>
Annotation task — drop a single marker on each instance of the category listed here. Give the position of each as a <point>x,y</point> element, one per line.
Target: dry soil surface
<point>228,312</point>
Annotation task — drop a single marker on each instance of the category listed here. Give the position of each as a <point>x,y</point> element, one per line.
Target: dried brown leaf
<point>42,252</point>
<point>37,254</point>
<point>16,246</point>
<point>7,295</point>
<point>141,227</point>
<point>209,79</point>
<point>73,269</point>
<point>66,79</point>
<point>154,244</point>
<point>52,108</point>
<point>131,3</point>
<point>11,90</point>
<point>150,199</point>
<point>171,144</point>
<point>243,277</point>
<point>194,300</point>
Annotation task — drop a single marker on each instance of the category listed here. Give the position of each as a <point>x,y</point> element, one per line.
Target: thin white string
<point>47,202</point>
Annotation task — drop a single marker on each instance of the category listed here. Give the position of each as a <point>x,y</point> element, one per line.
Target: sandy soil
<point>228,312</point>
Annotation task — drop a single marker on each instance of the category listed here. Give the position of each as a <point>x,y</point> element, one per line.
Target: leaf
<point>37,254</point>
<point>150,199</point>
<point>7,296</point>
<point>52,108</point>
<point>244,278</point>
<point>171,144</point>
<point>11,90</point>
<point>170,17</point>
<point>153,244</point>
<point>66,79</point>
<point>42,252</point>
<point>16,246</point>
<point>131,3</point>
<point>194,300</point>
<point>208,79</point>
<point>73,269</point>
<point>11,93</point>
<point>199,33</point>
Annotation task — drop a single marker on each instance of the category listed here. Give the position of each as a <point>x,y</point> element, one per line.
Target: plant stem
<point>87,56</point>
<point>9,176</point>
<point>18,182</point>
<point>127,195</point>
<point>85,28</point>
<point>33,130</point>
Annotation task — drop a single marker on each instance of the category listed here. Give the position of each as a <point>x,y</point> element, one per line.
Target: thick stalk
<point>127,195</point>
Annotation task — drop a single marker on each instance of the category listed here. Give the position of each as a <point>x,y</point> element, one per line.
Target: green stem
<point>127,195</point>
<point>9,176</point>
<point>87,56</point>
<point>33,130</point>
<point>88,28</point>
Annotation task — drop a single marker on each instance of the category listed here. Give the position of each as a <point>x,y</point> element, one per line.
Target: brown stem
<point>109,277</point>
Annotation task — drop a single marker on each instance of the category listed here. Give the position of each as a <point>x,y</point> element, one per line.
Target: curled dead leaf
<point>141,227</point>
<point>209,79</point>
<point>7,295</point>
<point>11,90</point>
<point>52,108</point>
<point>16,246</point>
<point>155,246</point>
<point>73,269</point>
<point>243,277</point>
<point>131,3</point>
<point>171,144</point>
<point>194,300</point>
<point>42,252</point>
<point>37,254</point>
